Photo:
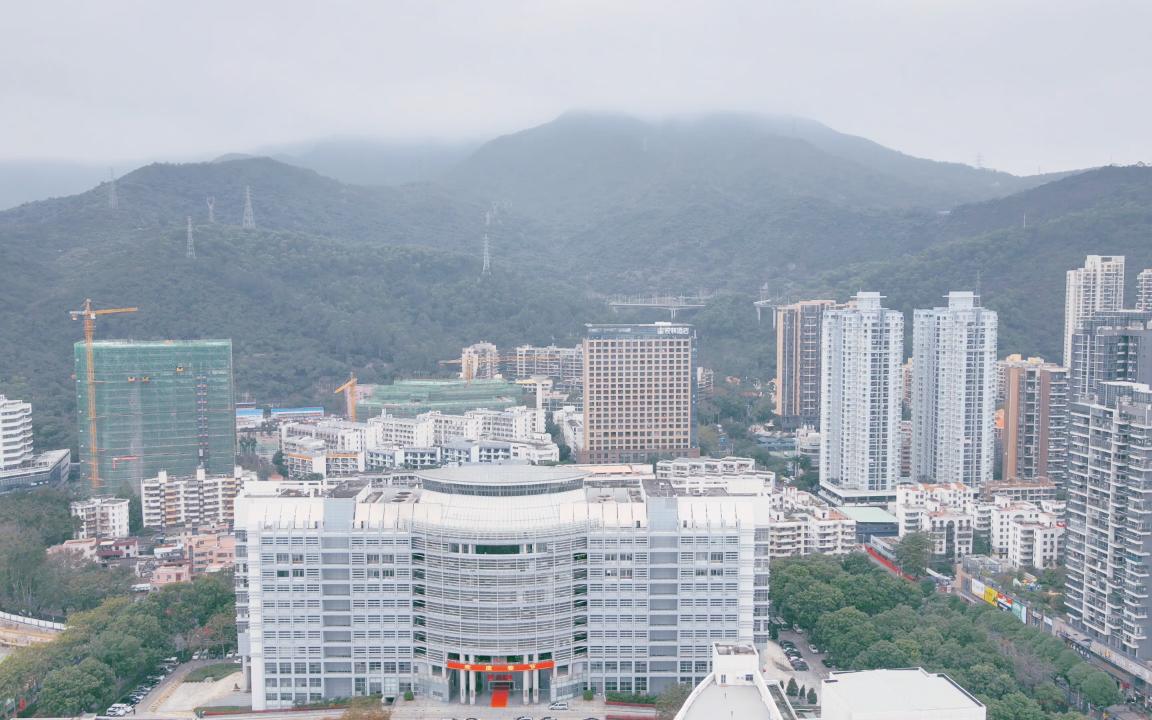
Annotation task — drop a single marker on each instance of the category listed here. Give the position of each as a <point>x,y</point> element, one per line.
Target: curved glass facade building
<point>478,581</point>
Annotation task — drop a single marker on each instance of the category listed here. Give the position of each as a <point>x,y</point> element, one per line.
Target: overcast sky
<point>1026,85</point>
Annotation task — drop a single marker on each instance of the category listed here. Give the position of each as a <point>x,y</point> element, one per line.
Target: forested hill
<point>717,200</point>
<point>284,197</point>
<point>1019,266</point>
<point>583,163</point>
<point>334,278</point>
<point>386,280</point>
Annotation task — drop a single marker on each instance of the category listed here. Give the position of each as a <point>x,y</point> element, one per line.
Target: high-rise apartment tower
<point>954,392</point>
<point>1113,345</point>
<point>1035,419</point>
<point>862,357</point>
<point>798,338</point>
<point>1097,286</point>
<point>1107,594</point>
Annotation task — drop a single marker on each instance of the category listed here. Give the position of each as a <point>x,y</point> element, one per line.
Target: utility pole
<point>211,202</point>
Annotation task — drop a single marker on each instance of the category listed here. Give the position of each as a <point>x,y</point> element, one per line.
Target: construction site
<point>147,406</point>
<point>408,398</point>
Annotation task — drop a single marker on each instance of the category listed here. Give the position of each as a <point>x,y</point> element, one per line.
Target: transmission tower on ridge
<point>487,268</point>
<point>211,202</point>
<point>249,222</point>
<point>190,250</point>
<point>113,201</point>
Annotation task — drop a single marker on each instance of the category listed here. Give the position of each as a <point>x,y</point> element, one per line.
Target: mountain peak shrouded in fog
<point>948,81</point>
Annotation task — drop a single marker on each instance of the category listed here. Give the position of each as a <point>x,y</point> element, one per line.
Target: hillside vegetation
<point>386,280</point>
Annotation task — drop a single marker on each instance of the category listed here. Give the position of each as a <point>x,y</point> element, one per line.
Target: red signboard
<point>501,667</point>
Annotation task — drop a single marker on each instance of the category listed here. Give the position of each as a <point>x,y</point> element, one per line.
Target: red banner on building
<point>501,667</point>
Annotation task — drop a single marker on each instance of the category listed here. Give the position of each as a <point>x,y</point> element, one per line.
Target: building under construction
<point>409,398</point>
<point>160,405</point>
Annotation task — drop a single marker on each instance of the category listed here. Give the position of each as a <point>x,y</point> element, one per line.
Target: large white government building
<point>463,582</point>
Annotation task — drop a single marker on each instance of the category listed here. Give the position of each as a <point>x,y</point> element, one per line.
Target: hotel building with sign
<point>639,392</point>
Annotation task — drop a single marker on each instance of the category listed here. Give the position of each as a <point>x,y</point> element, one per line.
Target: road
<point>423,709</point>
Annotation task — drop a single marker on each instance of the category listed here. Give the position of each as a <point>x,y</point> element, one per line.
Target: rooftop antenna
<point>113,201</point>
<point>249,221</point>
<point>979,279</point>
<point>211,202</point>
<point>190,249</point>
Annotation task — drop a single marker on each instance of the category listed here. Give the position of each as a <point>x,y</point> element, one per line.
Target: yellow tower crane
<point>88,314</point>
<point>349,390</point>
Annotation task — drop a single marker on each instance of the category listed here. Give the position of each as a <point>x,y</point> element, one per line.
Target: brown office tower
<point>639,400</point>
<point>798,328</point>
<point>1035,419</point>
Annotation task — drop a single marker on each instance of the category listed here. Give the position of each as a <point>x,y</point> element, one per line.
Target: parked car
<point>799,665</point>
<point>559,705</point>
<point>813,648</point>
<point>787,644</point>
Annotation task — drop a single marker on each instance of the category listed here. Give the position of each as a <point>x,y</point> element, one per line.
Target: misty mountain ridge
<point>582,164</point>
<point>386,280</point>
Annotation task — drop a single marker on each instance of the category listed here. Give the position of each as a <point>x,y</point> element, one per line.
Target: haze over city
<point>597,360</point>
<point>1023,86</point>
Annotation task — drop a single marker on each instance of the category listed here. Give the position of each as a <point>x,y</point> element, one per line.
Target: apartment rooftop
<point>867,514</point>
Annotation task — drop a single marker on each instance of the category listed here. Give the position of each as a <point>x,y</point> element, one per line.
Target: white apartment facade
<point>1099,285</point>
<point>339,448</point>
<point>15,433</point>
<point>1025,534</point>
<point>861,361</point>
<point>954,392</point>
<point>1144,290</point>
<point>570,420</point>
<point>803,524</point>
<point>101,517</point>
<point>946,511</point>
<point>191,501</point>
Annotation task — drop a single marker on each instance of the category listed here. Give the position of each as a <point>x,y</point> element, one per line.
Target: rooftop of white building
<point>493,495</point>
<point>907,691</point>
<point>735,689</point>
<point>729,701</point>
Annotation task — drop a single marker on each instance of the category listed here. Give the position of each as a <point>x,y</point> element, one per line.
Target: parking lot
<point>147,697</point>
<point>778,668</point>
